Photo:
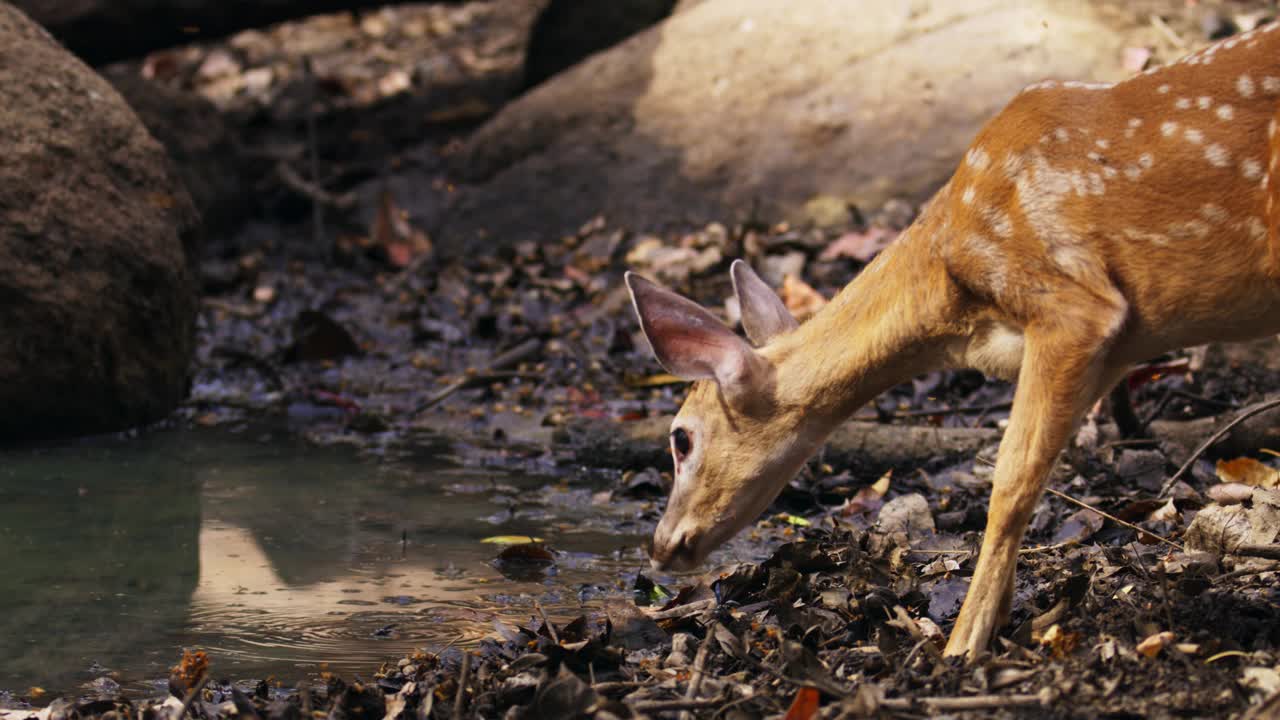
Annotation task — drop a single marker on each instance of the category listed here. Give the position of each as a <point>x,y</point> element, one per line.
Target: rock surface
<point>735,107</point>
<point>97,234</point>
<point>199,140</point>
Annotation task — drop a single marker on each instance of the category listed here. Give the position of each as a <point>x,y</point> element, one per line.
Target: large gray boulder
<point>734,106</point>
<point>97,239</point>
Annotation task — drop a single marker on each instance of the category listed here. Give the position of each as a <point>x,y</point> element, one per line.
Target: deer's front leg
<point>1063,373</point>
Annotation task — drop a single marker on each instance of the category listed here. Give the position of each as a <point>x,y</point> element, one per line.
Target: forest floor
<point>530,358</point>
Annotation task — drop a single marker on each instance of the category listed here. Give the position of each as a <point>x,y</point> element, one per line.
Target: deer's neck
<point>891,323</point>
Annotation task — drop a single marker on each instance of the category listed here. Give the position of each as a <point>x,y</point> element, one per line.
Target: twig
<point>313,157</point>
<point>1113,518</point>
<point>192,694</point>
<point>523,351</point>
<point>682,611</point>
<point>615,685</point>
<point>551,629</point>
<point>460,699</point>
<point>960,410</point>
<point>1269,552</point>
<point>1245,414</point>
<point>313,192</point>
<point>1168,32</point>
<point>958,704</point>
<point>657,706</point>
<point>1243,572</point>
<point>699,663</point>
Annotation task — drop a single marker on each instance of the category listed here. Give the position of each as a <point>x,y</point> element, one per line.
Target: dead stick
<point>958,704</point>
<point>551,629</point>
<point>699,663</point>
<point>1270,552</point>
<point>1113,518</point>
<point>1244,415</point>
<point>460,699</point>
<point>681,611</point>
<point>516,354</point>
<point>657,706</point>
<point>316,194</point>
<point>193,694</point>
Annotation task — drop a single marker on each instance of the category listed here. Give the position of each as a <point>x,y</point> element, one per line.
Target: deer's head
<point>738,439</point>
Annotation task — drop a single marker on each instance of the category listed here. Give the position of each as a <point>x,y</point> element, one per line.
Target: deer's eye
<point>681,443</point>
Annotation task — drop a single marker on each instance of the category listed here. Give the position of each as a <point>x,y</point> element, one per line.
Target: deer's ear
<point>689,341</point>
<point>763,314</point>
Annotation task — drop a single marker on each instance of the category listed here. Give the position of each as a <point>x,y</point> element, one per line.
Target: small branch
<point>1245,414</point>
<point>313,192</point>
<point>551,629</point>
<point>460,699</point>
<point>699,663</point>
<point>521,352</point>
<point>658,706</point>
<point>1243,572</point>
<point>610,686</point>
<point>1270,552</point>
<point>1113,518</point>
<point>682,611</point>
<point>960,704</point>
<point>192,695</point>
<point>1168,32</point>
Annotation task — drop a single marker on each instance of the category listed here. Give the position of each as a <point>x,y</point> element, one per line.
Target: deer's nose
<point>675,551</point>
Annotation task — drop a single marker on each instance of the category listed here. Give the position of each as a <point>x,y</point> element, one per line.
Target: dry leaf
<point>1248,471</point>
<point>1152,646</point>
<point>861,246</point>
<point>805,705</point>
<point>800,298</point>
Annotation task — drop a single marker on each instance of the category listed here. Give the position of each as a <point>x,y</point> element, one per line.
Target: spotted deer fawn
<point>1089,226</point>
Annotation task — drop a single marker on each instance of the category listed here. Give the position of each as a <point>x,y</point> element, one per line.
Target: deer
<point>1088,227</point>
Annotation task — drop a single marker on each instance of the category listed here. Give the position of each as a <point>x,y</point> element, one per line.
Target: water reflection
<point>275,557</point>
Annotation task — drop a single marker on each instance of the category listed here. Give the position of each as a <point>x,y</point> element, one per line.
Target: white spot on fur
<point>1102,143</point>
<point>1164,89</point>
<point>1271,85</point>
<point>1168,128</point>
<point>1078,183</point>
<point>1189,230</point>
<point>1133,172</point>
<point>1213,213</point>
<point>977,158</point>
<point>1257,228</point>
<point>1012,164</point>
<point>1244,86</point>
<point>1135,123</point>
<point>1146,160</point>
<point>1193,136</point>
<point>999,221</point>
<point>1204,102</point>
<point>1143,235</point>
<point>967,196</point>
<point>1109,172</point>
<point>1096,186</point>
<point>1251,169</point>
<point>1073,260</point>
<point>992,258</point>
<point>1217,155</point>
<point>1061,134</point>
<point>1225,112</point>
<point>1182,103</point>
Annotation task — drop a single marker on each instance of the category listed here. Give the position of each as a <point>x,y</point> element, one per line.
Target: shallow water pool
<point>278,558</point>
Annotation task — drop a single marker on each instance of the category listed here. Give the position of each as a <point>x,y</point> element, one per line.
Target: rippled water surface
<point>276,557</point>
